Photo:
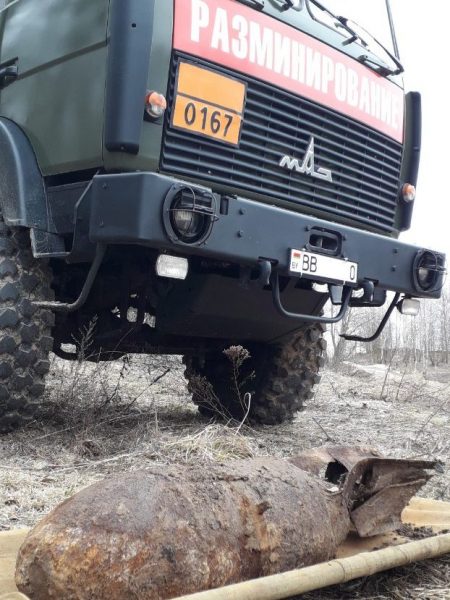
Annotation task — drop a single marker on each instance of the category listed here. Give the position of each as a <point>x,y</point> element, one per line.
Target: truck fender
<point>23,197</point>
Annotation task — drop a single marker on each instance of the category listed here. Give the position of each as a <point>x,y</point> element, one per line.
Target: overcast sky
<point>423,33</point>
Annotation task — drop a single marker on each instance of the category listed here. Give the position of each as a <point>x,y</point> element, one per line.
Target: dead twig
<point>433,414</point>
<point>59,468</point>
<point>159,377</point>
<point>328,437</point>
<point>248,400</point>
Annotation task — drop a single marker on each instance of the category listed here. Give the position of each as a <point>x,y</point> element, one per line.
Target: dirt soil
<point>101,419</point>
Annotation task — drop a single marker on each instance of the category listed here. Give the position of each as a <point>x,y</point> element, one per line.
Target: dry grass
<point>102,419</point>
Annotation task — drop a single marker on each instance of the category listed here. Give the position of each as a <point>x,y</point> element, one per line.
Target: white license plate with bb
<point>320,267</point>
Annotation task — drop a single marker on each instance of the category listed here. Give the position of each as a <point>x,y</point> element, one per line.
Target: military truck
<point>195,177</point>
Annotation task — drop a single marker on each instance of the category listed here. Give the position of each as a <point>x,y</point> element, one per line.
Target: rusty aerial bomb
<point>169,531</point>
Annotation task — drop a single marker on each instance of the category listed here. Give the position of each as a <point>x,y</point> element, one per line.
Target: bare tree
<point>421,341</point>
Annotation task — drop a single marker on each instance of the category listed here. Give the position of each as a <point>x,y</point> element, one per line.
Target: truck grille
<point>365,164</point>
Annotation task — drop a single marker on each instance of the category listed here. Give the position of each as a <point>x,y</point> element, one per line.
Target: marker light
<point>408,192</point>
<point>172,267</point>
<point>409,306</point>
<point>155,105</point>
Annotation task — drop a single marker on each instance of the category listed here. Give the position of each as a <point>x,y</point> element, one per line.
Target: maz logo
<point>307,166</point>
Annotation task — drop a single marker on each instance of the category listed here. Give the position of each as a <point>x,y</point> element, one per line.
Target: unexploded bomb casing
<point>170,531</point>
<point>175,530</point>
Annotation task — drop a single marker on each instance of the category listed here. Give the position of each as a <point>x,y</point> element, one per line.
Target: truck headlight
<point>186,221</point>
<point>189,214</point>
<point>428,270</point>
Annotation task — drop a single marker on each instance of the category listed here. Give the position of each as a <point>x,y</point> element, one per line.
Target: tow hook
<point>276,295</point>
<point>269,277</point>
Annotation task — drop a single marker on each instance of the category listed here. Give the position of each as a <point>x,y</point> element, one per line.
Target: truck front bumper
<point>131,208</point>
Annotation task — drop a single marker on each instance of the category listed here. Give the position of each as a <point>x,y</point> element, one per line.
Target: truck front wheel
<point>269,387</point>
<point>25,330</point>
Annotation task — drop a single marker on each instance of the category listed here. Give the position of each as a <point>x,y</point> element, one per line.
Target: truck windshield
<point>369,20</point>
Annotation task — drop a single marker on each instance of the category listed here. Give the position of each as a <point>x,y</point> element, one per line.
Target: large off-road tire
<point>279,377</point>
<point>25,330</point>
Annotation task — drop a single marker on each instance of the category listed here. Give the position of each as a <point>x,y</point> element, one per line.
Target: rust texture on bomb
<point>375,489</point>
<point>175,530</point>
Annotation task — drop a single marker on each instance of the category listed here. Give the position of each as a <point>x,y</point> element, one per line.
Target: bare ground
<point>99,420</point>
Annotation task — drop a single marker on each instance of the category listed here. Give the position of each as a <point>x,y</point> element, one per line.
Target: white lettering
<point>327,73</point>
<point>220,36</point>
<point>239,46</point>
<point>313,68</point>
<point>200,18</point>
<point>298,62</point>
<point>292,57</point>
<point>352,87</point>
<point>364,98</point>
<point>340,84</point>
<point>261,46</point>
<point>375,100</point>
<point>282,55</point>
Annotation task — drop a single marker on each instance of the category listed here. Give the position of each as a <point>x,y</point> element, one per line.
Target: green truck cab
<point>195,176</point>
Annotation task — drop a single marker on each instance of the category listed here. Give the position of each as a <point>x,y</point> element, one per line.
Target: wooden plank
<point>355,545</point>
<point>422,512</point>
<point>10,542</point>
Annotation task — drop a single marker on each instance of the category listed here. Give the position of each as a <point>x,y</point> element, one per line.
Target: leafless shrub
<point>83,391</point>
<point>204,390</point>
<point>85,340</point>
<point>237,355</point>
<point>383,394</point>
<point>89,400</point>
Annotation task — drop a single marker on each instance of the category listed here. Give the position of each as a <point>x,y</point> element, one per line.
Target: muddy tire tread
<point>25,331</point>
<point>285,376</point>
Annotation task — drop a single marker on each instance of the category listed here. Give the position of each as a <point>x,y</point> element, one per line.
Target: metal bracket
<point>265,272</point>
<point>346,296</point>
<point>8,74</point>
<point>379,331</point>
<point>70,308</point>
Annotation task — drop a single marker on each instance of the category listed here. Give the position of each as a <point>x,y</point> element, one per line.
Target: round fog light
<point>189,214</point>
<point>186,221</point>
<point>427,270</point>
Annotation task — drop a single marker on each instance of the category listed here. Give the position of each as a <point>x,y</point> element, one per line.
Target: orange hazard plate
<point>209,104</point>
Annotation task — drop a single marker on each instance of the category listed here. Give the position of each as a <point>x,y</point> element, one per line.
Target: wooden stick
<point>300,581</point>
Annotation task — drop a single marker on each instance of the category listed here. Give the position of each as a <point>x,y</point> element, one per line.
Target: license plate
<point>318,266</point>
<point>209,104</point>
